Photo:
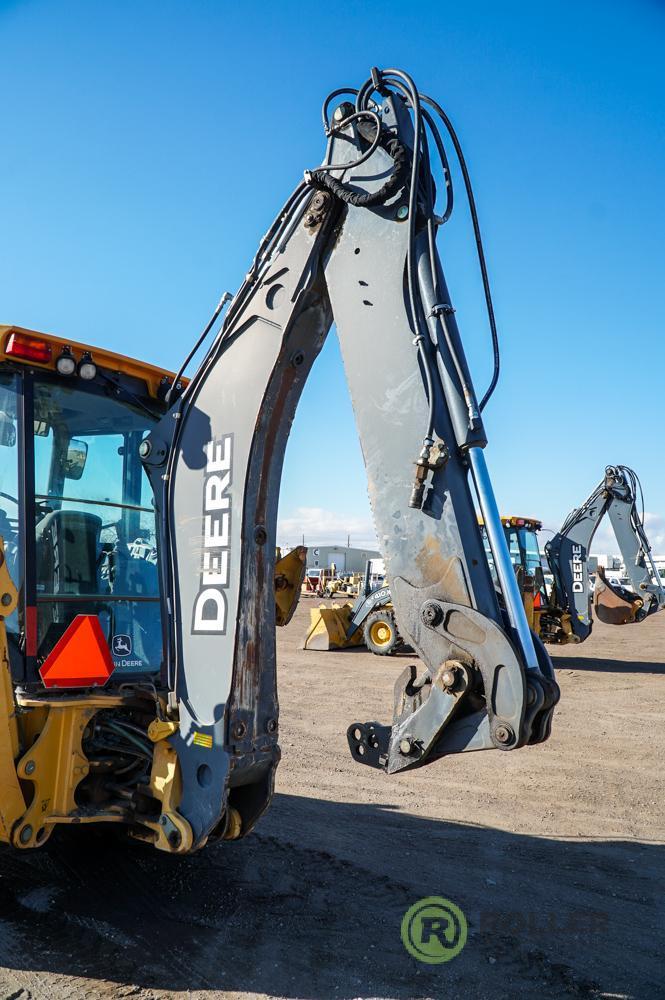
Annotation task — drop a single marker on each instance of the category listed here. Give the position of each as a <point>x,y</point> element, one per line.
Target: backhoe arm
<point>355,244</point>
<point>568,552</point>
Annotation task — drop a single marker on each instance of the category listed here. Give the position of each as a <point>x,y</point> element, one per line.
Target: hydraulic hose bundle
<point>411,171</point>
<point>382,82</point>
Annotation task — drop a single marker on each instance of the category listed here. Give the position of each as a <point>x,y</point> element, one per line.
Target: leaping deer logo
<point>121,645</point>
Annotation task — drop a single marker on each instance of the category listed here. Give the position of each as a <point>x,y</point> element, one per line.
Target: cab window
<point>95,530</point>
<point>9,489</point>
<point>529,541</point>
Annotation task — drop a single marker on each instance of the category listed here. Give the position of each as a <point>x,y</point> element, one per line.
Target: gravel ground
<point>556,854</point>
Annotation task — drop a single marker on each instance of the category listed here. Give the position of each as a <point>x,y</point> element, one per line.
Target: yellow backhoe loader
<point>548,620</point>
<point>559,610</point>
<point>138,592</point>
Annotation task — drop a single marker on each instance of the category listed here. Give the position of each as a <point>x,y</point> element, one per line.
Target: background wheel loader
<point>370,620</point>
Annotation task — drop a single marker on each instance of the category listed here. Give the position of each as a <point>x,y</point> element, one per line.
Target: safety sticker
<point>203,740</point>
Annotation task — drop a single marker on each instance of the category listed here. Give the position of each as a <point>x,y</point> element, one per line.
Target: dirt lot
<point>556,854</point>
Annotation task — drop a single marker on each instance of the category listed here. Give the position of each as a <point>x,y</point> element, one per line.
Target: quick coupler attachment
<point>424,706</point>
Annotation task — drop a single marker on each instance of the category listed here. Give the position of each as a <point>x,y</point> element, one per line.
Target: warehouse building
<point>345,559</point>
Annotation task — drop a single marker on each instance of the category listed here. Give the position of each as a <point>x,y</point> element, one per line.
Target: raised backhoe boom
<point>354,245</point>
<point>568,553</point>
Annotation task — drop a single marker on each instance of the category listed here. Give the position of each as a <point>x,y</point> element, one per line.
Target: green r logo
<point>434,930</point>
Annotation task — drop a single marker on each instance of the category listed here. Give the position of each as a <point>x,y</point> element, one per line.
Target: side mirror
<point>42,428</point>
<point>77,454</point>
<point>7,430</point>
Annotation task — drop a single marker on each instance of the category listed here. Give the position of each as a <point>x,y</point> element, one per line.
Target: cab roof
<point>515,521</point>
<point>151,375</point>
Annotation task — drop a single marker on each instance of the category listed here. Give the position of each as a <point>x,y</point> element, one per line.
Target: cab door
<point>11,508</point>
<point>93,532</point>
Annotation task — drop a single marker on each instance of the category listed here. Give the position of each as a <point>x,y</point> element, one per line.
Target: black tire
<point>380,633</point>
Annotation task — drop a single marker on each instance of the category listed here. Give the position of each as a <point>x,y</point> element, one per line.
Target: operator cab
<point>522,538</point>
<point>76,508</point>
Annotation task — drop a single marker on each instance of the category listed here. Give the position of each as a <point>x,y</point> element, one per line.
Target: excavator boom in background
<point>560,612</point>
<point>568,552</point>
<point>172,732</point>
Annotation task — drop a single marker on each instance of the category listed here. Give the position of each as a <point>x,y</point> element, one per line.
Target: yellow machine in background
<point>547,621</point>
<point>289,575</point>
<point>328,628</point>
<point>370,620</point>
<point>342,626</point>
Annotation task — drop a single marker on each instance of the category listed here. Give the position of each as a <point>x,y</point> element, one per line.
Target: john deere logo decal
<point>211,604</point>
<point>121,645</point>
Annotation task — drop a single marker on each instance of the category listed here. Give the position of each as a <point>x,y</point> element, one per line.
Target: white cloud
<point>654,525</point>
<point>325,527</point>
<point>328,527</point>
<point>604,541</point>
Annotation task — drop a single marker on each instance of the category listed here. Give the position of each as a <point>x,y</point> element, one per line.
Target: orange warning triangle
<point>80,658</point>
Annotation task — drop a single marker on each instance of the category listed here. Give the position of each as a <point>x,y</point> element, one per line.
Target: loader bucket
<point>615,605</point>
<point>328,628</point>
<point>289,575</point>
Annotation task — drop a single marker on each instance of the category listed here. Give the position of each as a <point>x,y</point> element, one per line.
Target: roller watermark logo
<point>434,930</point>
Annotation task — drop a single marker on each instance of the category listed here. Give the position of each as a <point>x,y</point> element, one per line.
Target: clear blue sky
<point>146,147</point>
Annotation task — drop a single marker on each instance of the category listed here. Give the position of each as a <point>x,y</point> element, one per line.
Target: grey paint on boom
<point>324,260</point>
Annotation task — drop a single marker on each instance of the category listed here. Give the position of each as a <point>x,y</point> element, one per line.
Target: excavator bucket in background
<point>328,628</point>
<point>615,605</point>
<point>289,575</point>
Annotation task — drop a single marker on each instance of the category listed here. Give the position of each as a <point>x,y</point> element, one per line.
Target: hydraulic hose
<point>322,179</point>
<point>479,246</point>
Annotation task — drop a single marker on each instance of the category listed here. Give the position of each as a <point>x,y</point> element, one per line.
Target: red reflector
<point>28,348</point>
<point>80,658</point>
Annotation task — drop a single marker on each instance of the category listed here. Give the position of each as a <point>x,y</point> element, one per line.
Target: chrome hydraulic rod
<point>504,567</point>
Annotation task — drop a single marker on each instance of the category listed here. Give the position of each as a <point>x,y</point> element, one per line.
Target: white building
<point>607,562</point>
<point>345,559</point>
